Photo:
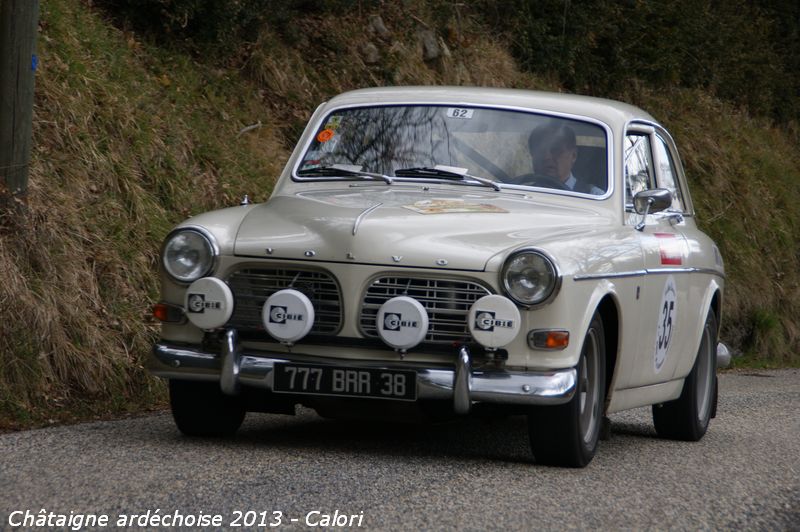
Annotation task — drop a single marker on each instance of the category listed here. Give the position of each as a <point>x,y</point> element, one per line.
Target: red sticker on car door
<point>671,249</point>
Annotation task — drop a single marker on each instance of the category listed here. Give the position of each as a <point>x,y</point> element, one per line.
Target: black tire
<point>687,417</point>
<point>201,409</point>
<point>566,435</point>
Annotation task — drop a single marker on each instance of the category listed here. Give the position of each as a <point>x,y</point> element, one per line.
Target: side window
<point>639,173</point>
<point>668,175</point>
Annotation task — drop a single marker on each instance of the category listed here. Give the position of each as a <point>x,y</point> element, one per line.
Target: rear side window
<point>668,175</point>
<point>639,174</point>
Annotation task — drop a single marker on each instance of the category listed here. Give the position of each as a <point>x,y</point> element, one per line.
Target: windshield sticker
<point>454,112</point>
<point>313,160</point>
<point>333,122</point>
<point>447,206</point>
<point>325,135</point>
<point>330,146</point>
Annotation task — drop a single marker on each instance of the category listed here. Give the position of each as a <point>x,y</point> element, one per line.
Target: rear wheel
<point>201,409</point>
<point>566,435</point>
<point>687,417</point>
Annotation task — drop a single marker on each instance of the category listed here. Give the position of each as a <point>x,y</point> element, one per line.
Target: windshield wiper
<point>343,170</point>
<point>445,172</point>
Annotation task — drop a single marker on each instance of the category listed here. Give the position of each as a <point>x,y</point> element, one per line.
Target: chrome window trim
<point>683,183</point>
<point>643,126</point>
<point>529,110</point>
<point>638,130</point>
<point>657,139</point>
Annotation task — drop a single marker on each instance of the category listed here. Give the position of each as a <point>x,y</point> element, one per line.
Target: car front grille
<point>447,302</point>
<point>252,287</point>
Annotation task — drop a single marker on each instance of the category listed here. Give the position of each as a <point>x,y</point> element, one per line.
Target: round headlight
<point>188,255</point>
<point>529,277</point>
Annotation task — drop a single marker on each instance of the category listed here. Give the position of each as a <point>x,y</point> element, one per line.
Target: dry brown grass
<point>126,143</point>
<point>328,59</point>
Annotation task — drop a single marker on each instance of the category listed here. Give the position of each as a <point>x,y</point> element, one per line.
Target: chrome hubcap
<point>589,388</point>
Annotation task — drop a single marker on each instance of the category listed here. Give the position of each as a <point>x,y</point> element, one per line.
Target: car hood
<point>420,228</point>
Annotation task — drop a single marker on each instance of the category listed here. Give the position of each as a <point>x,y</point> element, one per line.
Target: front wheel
<point>687,417</point>
<point>201,409</point>
<point>566,435</point>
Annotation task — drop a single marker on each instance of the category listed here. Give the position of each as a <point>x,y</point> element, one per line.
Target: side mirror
<point>653,200</point>
<point>650,201</point>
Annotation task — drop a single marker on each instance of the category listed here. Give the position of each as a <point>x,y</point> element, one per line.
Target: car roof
<point>610,112</point>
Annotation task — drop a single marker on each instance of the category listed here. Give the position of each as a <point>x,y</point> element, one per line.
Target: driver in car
<point>554,152</point>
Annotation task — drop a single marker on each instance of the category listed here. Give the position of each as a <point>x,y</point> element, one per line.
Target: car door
<point>663,299</point>
<point>669,175</point>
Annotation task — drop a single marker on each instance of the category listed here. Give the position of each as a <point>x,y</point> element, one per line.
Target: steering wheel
<point>539,180</point>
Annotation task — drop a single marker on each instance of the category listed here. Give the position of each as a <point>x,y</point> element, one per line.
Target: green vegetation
<point>745,52</point>
<point>138,123</point>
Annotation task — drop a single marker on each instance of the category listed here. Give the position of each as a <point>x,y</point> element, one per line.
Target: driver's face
<point>554,160</point>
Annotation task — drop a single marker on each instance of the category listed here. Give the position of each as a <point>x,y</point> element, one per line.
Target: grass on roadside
<point>128,140</point>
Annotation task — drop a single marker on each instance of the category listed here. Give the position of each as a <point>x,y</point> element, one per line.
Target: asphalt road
<point>469,475</point>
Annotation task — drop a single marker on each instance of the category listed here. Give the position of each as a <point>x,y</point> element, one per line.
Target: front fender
<point>712,288</point>
<point>572,310</point>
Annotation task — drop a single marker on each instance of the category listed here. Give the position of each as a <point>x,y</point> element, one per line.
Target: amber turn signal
<point>168,313</point>
<point>547,339</point>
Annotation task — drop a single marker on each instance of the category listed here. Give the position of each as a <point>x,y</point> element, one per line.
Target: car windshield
<point>504,146</point>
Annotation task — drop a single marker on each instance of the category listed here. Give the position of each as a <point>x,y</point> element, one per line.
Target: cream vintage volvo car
<point>449,250</point>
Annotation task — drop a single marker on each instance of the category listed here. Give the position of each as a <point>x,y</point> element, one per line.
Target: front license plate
<point>347,382</point>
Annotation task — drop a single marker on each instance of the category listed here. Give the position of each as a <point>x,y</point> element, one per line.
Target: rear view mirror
<point>650,201</point>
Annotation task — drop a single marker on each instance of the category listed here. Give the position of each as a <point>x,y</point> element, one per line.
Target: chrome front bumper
<point>460,383</point>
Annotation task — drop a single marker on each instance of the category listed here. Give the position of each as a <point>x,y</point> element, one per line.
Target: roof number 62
<point>454,112</point>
